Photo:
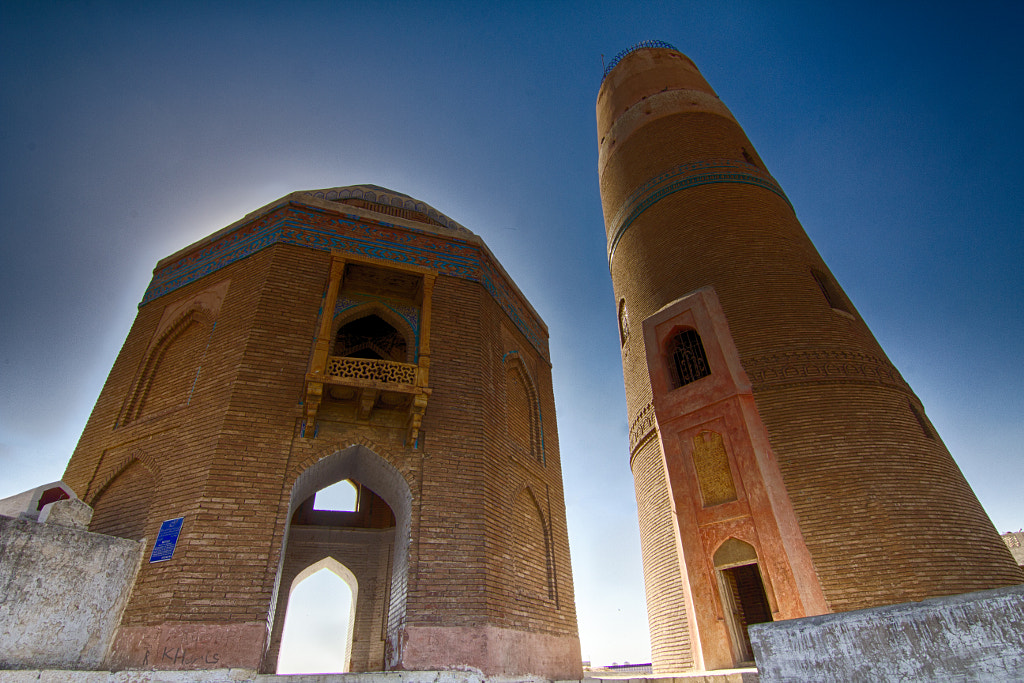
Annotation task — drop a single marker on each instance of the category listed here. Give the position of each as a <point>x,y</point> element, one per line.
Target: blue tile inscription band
<point>313,228</point>
<point>683,177</point>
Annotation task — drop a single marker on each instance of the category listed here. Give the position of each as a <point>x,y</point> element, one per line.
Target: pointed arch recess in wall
<point>191,316</point>
<point>170,362</point>
<point>533,561</point>
<point>523,418</point>
<point>121,505</point>
<point>404,318</point>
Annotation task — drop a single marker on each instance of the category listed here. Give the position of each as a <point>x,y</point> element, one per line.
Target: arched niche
<point>376,309</point>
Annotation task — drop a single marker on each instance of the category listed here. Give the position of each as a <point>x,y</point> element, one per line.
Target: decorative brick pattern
<point>804,367</point>
<point>681,178</point>
<point>378,195</point>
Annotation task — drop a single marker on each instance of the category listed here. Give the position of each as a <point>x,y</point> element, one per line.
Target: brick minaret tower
<point>356,334</point>
<point>783,467</point>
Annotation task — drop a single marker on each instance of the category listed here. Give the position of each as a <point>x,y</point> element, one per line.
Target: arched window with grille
<point>687,360</point>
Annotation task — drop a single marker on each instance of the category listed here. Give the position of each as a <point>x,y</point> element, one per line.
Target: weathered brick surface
<point>202,417</point>
<point>883,508</point>
<point>663,579</point>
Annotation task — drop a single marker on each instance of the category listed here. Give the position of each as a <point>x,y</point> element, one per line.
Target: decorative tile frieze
<point>316,229</point>
<point>683,177</point>
<point>510,301</point>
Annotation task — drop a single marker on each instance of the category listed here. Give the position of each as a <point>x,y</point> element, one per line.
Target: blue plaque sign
<point>163,549</point>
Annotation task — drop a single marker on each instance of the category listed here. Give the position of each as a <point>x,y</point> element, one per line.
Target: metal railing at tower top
<point>639,46</point>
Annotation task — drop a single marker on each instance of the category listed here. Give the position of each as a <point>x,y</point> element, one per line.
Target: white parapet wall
<point>64,590</point>
<point>971,637</point>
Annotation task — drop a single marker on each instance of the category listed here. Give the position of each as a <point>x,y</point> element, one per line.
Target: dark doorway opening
<point>746,600</point>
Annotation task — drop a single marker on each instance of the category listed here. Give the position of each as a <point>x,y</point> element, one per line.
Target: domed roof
<point>383,200</point>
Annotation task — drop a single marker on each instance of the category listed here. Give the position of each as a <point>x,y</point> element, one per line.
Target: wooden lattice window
<point>688,362</point>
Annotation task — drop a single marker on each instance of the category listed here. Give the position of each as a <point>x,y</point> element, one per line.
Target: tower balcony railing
<point>341,370</point>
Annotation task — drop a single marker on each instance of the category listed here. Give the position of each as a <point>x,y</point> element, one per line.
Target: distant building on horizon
<point>783,467</point>
<point>1015,542</point>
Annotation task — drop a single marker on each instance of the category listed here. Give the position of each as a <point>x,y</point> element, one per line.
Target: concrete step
<point>249,676</point>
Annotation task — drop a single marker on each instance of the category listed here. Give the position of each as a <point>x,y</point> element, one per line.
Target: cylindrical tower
<point>777,453</point>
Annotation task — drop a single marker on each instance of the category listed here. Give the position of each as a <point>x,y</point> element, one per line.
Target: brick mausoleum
<point>783,467</point>
<point>345,334</point>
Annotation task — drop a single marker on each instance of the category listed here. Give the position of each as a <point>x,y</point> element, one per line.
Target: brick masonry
<point>204,416</point>
<point>882,507</point>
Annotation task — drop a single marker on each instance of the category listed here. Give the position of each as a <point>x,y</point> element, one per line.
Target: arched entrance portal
<point>743,595</point>
<point>317,635</point>
<point>372,542</point>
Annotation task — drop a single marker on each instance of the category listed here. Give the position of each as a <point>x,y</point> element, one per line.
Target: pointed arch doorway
<point>742,591</point>
<point>371,542</point>
<point>318,625</point>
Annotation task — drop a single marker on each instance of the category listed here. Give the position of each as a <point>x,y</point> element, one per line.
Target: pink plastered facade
<point>719,408</point>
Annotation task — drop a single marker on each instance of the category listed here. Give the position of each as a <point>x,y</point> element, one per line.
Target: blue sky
<point>128,131</point>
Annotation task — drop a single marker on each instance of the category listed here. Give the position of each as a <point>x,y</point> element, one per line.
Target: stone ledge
<point>721,676</point>
<point>250,676</point>
<point>970,637</point>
